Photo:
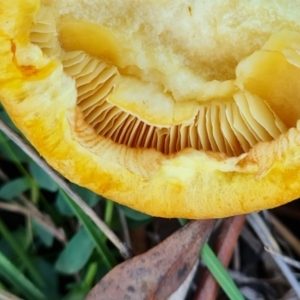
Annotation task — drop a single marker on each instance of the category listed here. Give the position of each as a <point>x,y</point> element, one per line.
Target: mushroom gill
<point>231,124</point>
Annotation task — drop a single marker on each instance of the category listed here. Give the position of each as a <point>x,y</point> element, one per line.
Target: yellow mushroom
<point>174,108</point>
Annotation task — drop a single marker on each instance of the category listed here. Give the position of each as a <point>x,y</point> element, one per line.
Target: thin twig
<point>15,208</point>
<point>124,250</point>
<point>43,219</point>
<point>57,232</point>
<point>3,176</point>
<point>243,279</point>
<point>236,259</point>
<point>267,239</point>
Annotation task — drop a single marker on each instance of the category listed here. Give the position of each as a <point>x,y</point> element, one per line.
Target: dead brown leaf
<point>157,273</point>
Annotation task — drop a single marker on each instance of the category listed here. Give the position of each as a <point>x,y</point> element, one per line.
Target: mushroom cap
<point>198,113</point>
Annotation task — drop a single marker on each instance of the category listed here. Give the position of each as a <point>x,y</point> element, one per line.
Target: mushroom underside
<point>232,124</point>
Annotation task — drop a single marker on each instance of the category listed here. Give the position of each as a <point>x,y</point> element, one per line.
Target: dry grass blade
<point>160,271</point>
<point>286,233</point>
<point>223,247</point>
<point>288,260</point>
<point>4,295</point>
<point>267,239</point>
<point>77,199</point>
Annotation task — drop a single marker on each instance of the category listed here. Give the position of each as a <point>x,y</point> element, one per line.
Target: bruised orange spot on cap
<point>28,70</point>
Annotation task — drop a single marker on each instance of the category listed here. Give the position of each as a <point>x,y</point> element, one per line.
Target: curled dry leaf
<point>157,273</point>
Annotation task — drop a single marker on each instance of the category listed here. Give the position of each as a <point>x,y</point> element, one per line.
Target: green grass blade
<point>18,280</point>
<point>220,274</point>
<point>18,164</point>
<point>90,275</point>
<point>94,232</point>
<point>25,259</point>
<point>182,222</point>
<point>108,214</point>
<point>35,192</point>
